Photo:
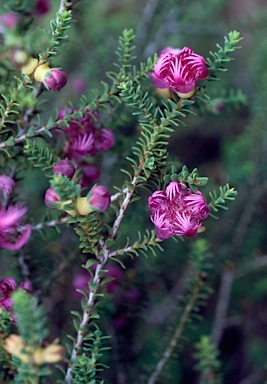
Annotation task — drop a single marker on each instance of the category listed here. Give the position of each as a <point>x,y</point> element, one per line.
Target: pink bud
<point>65,167</point>
<point>100,198</point>
<point>51,197</point>
<point>55,79</point>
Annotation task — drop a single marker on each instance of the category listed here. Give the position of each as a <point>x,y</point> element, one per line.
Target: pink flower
<point>55,79</point>
<point>82,278</point>
<point>90,174</point>
<point>179,70</point>
<point>104,140</point>
<point>78,85</point>
<point>7,184</point>
<point>9,20</point>
<point>177,211</point>
<point>7,286</point>
<point>100,198</point>
<point>51,197</point>
<point>65,167</point>
<point>84,138</point>
<point>12,234</point>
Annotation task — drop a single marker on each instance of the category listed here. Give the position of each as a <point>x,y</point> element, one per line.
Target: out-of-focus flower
<point>7,286</point>
<point>177,211</point>
<point>78,85</point>
<point>84,138</point>
<point>42,7</point>
<point>54,79</point>
<point>179,71</point>
<point>9,20</point>
<point>52,353</point>
<point>13,235</point>
<point>65,167</point>
<point>82,278</point>
<point>98,199</point>
<point>90,174</point>
<point>7,184</point>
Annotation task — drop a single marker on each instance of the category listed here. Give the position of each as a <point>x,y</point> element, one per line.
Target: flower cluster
<point>97,199</point>
<point>179,70</point>
<point>13,235</point>
<point>84,138</point>
<point>177,211</point>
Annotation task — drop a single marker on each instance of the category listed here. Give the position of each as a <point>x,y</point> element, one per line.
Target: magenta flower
<point>13,235</point>
<point>100,198</point>
<point>179,71</point>
<point>42,7</point>
<point>90,174</point>
<point>55,79</point>
<point>7,185</point>
<point>82,278</point>
<point>51,197</point>
<point>7,287</point>
<point>65,167</point>
<point>177,211</point>
<point>84,138</point>
<point>9,20</point>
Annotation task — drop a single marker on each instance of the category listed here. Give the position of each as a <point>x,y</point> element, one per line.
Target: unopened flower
<point>98,199</point>
<point>52,201</point>
<point>13,235</point>
<point>65,167</point>
<point>54,79</point>
<point>179,71</point>
<point>177,211</point>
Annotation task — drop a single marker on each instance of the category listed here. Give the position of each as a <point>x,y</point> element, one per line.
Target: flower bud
<point>100,198</point>
<point>55,79</point>
<point>65,167</point>
<point>51,199</point>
